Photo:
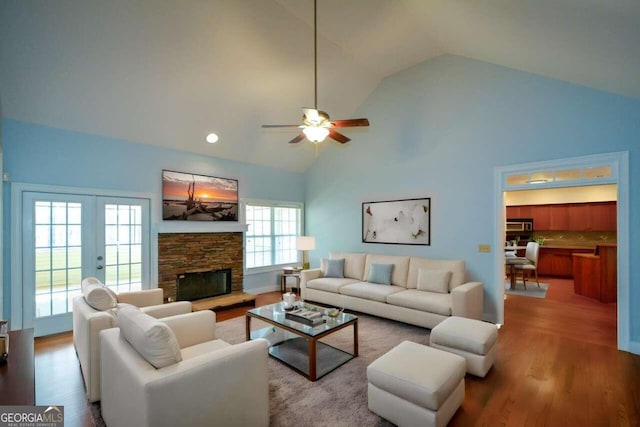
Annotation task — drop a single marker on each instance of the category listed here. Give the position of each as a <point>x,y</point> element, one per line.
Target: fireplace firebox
<point>194,285</point>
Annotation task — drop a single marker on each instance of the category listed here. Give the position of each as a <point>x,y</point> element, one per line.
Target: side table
<point>286,273</point>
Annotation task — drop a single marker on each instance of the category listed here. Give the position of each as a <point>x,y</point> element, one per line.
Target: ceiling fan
<point>317,125</point>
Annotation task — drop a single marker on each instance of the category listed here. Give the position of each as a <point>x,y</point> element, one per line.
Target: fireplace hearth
<point>195,285</point>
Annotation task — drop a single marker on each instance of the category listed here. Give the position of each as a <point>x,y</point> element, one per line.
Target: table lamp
<point>304,244</point>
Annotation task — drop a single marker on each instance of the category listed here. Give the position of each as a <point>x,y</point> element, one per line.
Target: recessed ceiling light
<point>212,137</point>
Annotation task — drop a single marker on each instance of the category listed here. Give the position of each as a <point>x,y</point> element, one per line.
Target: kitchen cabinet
<point>557,262</point>
<point>513,212</point>
<point>541,215</point>
<point>594,216</point>
<point>603,216</point>
<point>559,218</point>
<point>580,217</point>
<point>596,274</point>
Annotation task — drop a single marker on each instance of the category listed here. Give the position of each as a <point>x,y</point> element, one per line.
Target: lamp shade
<point>305,243</point>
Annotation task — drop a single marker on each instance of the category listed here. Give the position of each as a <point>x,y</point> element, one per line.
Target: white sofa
<point>401,300</point>
<point>88,322</point>
<point>214,383</point>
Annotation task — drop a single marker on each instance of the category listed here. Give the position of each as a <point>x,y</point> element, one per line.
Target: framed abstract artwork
<point>402,222</point>
<point>191,197</point>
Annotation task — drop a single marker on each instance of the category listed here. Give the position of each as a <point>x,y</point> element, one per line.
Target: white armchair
<point>215,383</point>
<point>88,322</point>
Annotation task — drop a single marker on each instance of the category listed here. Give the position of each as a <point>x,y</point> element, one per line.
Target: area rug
<point>340,397</point>
<point>532,289</point>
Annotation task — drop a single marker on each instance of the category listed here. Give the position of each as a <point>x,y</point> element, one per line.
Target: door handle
<point>99,267</point>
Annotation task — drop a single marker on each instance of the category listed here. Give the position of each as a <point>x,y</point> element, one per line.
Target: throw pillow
<point>98,297</point>
<point>433,280</point>
<point>380,273</point>
<point>334,268</point>
<point>151,338</point>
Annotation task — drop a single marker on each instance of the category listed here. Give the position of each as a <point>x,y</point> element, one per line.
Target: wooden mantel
<point>596,275</point>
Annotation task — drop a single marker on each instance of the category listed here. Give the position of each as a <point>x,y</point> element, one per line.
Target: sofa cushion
<point>434,280</point>
<point>98,296</point>
<point>432,302</point>
<point>332,267</point>
<point>456,267</point>
<point>330,284</point>
<point>151,338</point>
<point>380,273</point>
<point>353,264</point>
<point>370,291</point>
<point>400,267</point>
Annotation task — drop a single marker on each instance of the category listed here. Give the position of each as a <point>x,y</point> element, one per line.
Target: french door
<point>69,237</point>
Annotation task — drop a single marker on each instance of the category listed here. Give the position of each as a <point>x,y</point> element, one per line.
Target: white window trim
<point>273,204</point>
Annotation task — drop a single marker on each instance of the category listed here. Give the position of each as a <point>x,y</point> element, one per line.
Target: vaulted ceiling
<point>169,72</point>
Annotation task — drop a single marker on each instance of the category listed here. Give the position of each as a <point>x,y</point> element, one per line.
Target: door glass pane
<point>123,226</point>
<point>53,257</point>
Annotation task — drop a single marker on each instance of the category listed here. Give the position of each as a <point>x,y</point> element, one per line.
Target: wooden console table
<point>17,377</point>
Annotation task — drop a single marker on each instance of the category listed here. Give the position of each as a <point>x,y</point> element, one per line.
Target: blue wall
<point>438,130</point>
<point>43,155</point>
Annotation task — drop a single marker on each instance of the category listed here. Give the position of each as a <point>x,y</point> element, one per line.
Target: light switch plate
<point>484,248</point>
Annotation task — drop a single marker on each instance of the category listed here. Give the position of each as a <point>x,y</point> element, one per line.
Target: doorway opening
<point>572,173</point>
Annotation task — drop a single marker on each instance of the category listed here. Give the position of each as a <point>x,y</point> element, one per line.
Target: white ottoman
<point>415,385</point>
<point>474,340</point>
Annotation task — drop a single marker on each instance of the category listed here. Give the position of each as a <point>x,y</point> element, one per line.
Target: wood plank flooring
<point>557,366</point>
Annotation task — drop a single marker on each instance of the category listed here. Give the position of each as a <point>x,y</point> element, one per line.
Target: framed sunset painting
<point>191,197</point>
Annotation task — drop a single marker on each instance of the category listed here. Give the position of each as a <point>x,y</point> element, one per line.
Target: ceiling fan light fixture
<point>315,134</point>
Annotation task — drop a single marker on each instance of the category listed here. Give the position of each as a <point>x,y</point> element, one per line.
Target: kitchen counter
<point>595,274</point>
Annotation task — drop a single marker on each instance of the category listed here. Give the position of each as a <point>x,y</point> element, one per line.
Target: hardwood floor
<point>557,366</point>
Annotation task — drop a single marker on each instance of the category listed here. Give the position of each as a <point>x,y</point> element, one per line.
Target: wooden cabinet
<point>541,215</point>
<point>603,216</point>
<point>559,218</point>
<point>557,262</point>
<point>513,212</point>
<point>580,217</point>
<point>596,274</point>
<point>596,216</point>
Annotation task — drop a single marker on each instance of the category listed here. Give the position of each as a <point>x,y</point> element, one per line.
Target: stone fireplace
<point>183,253</point>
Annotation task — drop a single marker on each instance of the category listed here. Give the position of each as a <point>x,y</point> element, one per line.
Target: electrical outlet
<point>484,248</point>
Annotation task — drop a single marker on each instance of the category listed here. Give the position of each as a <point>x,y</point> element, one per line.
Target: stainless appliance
<point>519,225</point>
<point>519,229</point>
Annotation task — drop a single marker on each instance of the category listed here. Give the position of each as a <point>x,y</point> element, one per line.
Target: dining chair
<point>531,254</point>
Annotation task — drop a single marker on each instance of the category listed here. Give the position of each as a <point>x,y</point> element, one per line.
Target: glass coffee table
<point>297,345</point>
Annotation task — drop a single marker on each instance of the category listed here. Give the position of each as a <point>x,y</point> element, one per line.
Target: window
<point>271,237</point>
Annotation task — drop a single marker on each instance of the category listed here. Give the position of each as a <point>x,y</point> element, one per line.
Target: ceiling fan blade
<point>297,139</point>
<point>349,123</point>
<point>280,126</point>
<point>334,134</point>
